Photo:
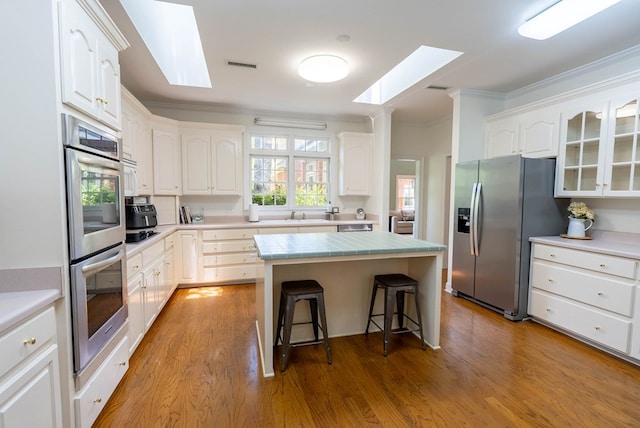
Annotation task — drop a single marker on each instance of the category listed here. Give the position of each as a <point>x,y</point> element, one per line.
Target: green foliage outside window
<point>94,194</point>
<point>277,197</point>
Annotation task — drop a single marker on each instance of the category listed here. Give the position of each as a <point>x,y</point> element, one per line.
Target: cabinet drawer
<point>26,339</point>
<point>153,252</point>
<point>229,273</point>
<point>611,265</point>
<point>92,398</point>
<point>134,264</point>
<point>582,320</point>
<point>228,259</point>
<point>216,235</point>
<point>244,245</point>
<point>597,290</point>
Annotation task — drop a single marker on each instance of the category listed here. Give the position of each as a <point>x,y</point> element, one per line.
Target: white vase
<point>577,228</point>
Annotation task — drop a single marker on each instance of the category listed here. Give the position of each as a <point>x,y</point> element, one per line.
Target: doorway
<point>405,188</point>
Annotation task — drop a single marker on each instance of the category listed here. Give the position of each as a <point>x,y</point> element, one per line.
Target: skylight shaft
<point>421,63</point>
<point>560,16</point>
<point>171,34</point>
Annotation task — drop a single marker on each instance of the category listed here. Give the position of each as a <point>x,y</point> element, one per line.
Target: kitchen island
<point>344,264</point>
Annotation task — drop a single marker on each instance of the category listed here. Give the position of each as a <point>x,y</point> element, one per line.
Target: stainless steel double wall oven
<point>96,224</point>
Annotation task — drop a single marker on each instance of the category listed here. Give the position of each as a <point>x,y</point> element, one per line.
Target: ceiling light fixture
<point>560,16</point>
<point>323,68</point>
<point>290,123</point>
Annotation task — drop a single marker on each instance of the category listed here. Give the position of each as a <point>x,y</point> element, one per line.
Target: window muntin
<point>269,176</point>
<point>289,171</point>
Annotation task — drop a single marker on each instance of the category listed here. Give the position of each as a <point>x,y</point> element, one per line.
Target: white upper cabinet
<point>622,170</point>
<point>166,162</point>
<point>212,161</point>
<point>532,134</point>
<point>502,137</point>
<point>90,68</point>
<point>599,150</point>
<point>356,152</point>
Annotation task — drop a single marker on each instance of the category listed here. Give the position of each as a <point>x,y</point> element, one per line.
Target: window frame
<point>291,135</point>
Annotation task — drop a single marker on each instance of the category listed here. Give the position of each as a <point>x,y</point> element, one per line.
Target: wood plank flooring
<point>199,367</point>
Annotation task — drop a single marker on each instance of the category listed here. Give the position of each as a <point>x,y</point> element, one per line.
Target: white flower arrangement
<point>581,210</point>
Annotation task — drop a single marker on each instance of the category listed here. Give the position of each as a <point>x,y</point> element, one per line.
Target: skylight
<point>171,34</point>
<point>421,63</point>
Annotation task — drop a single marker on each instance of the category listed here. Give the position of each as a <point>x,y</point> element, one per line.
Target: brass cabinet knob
<point>600,293</point>
<point>30,341</point>
<point>97,400</point>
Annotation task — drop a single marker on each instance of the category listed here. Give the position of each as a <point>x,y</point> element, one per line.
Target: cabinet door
<point>80,58</point>
<point>355,164</point>
<point>226,165</point>
<point>166,163</point>
<point>196,165</point>
<point>144,156</point>
<point>31,398</point>
<point>150,297</point>
<point>622,169</point>
<point>187,267</point>
<point>502,137</point>
<point>580,167</point>
<point>108,83</point>
<point>169,272</point>
<point>539,133</point>
<point>136,312</point>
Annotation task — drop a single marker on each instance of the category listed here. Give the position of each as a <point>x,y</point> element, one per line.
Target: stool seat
<point>395,285</point>
<point>291,293</point>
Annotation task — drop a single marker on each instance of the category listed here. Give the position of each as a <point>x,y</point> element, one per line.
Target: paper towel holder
<point>253,213</point>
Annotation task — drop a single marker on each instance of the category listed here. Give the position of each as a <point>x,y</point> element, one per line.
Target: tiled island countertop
<point>289,246</point>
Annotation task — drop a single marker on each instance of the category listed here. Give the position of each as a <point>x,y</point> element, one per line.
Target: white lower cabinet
<point>150,282</point>
<point>186,269</point>
<point>91,399</point>
<point>589,295</point>
<point>29,374</point>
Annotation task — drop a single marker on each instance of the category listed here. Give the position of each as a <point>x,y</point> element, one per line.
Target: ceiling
<point>277,34</point>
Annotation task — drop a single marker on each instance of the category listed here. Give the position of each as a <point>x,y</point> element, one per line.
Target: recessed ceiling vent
<point>437,88</point>
<point>241,64</point>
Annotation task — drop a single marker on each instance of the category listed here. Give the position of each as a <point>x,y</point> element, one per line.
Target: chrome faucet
<point>293,215</point>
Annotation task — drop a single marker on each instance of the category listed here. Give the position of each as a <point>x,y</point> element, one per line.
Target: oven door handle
<point>98,266</point>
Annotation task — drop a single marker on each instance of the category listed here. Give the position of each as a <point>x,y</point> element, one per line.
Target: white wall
<point>431,145</point>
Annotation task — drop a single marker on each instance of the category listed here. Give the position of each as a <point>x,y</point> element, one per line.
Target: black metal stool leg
<point>373,299</point>
<point>288,323</point>
<point>325,330</point>
<point>280,318</point>
<point>400,306</point>
<point>389,296</point>
<point>313,308</point>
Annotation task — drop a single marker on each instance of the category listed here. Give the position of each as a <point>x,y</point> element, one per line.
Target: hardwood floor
<point>199,367</point>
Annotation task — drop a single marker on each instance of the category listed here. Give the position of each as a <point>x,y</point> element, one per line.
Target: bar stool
<point>292,292</point>
<point>395,285</point>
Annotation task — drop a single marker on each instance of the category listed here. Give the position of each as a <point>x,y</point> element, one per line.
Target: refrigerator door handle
<point>476,219</point>
<point>472,220</point>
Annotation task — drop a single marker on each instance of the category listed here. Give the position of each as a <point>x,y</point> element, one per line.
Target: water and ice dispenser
<point>463,219</point>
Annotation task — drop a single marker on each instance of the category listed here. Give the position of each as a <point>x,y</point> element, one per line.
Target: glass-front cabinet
<point>599,151</point>
<point>622,172</point>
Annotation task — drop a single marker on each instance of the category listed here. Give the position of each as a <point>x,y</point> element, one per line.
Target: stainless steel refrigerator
<point>500,203</point>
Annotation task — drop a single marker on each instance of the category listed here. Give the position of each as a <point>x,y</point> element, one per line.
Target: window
<point>289,171</point>
<point>405,192</point>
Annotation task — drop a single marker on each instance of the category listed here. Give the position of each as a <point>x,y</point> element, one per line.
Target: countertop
<point>301,245</point>
<point>234,223</point>
<point>18,306</point>
<point>612,243</point>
